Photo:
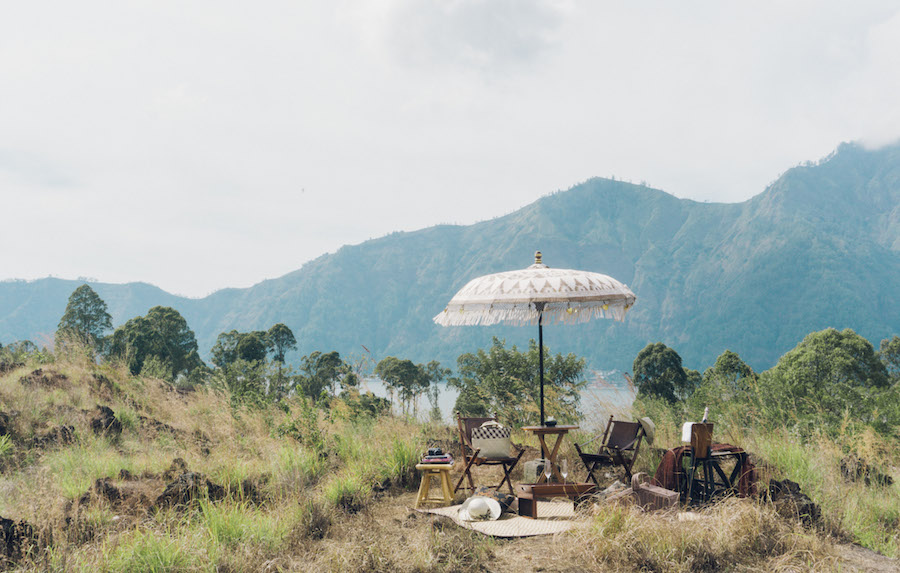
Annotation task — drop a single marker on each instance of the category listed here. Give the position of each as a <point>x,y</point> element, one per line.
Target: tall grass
<point>400,462</point>
<point>142,551</point>
<point>232,525</point>
<point>6,446</point>
<point>732,532</point>
<point>296,468</point>
<point>350,491</point>
<point>128,418</point>
<point>868,514</point>
<point>75,468</point>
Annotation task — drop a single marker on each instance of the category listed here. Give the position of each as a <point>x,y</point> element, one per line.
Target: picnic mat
<point>555,517</point>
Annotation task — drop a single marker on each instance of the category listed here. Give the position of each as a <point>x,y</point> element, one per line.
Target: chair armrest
<point>591,441</point>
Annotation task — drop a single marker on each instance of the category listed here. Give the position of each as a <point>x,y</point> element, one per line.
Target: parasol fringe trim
<point>526,313</point>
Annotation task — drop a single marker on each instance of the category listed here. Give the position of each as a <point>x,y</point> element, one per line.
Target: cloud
<point>169,142</point>
<point>496,36</point>
<point>33,169</point>
<point>873,96</point>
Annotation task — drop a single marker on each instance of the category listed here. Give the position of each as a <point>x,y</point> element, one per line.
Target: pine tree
<point>85,317</point>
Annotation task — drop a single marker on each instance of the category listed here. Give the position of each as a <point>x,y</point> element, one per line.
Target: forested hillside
<point>820,247</point>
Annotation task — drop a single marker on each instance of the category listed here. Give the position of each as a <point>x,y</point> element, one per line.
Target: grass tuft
<point>142,551</point>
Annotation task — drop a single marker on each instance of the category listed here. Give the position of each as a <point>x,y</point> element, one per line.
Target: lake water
<point>607,394</point>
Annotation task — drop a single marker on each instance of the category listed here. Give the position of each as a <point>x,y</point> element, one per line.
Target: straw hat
<point>480,508</point>
<point>649,429</point>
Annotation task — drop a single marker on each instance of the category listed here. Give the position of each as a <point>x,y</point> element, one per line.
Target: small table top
<point>434,466</point>
<point>549,429</point>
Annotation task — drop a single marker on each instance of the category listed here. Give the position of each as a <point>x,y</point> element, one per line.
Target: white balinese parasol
<point>534,295</point>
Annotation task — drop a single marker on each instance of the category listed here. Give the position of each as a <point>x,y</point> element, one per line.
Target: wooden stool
<point>441,471</point>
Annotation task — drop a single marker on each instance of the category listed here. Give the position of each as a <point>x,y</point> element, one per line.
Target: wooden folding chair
<point>471,458</point>
<point>702,489</point>
<point>619,446</point>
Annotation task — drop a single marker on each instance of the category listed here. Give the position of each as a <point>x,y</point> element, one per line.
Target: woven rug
<point>555,517</point>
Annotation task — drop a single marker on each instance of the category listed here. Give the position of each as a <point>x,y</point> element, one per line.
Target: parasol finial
<point>537,258</point>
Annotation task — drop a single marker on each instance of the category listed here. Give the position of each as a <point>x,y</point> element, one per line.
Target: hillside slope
<point>820,247</point>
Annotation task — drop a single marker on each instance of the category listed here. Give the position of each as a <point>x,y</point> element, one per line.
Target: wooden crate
<point>528,494</point>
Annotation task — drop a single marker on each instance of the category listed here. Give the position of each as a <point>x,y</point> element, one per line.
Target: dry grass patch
<point>733,535</point>
<point>386,536</point>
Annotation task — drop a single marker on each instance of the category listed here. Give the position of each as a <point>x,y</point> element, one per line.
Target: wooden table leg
<point>424,487</point>
<point>445,486</point>
<point>542,478</point>
<point>550,455</point>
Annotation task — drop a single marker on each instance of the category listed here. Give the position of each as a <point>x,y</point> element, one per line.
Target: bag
<point>492,439</point>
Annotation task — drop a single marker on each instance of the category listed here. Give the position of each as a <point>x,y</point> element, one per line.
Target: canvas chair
<point>471,458</point>
<point>619,446</point>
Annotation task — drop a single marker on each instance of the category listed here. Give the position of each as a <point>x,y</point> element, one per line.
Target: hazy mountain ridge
<point>820,247</point>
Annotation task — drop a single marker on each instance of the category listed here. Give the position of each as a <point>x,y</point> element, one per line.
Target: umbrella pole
<point>541,359</point>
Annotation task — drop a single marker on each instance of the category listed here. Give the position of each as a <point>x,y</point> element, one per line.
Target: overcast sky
<point>202,145</point>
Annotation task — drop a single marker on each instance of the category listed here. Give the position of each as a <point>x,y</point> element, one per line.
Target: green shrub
<point>305,427</point>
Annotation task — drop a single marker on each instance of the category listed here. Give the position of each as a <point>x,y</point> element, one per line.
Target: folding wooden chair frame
<point>471,458</point>
<point>615,449</point>
<point>713,481</point>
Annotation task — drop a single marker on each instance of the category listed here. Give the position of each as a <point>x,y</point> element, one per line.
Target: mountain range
<point>819,247</point>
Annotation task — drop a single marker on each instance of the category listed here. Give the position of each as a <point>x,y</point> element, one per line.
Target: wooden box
<point>528,494</point>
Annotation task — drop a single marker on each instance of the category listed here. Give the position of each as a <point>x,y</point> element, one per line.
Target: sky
<point>198,145</point>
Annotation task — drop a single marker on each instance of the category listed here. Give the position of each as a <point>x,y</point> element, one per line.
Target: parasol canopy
<point>535,295</point>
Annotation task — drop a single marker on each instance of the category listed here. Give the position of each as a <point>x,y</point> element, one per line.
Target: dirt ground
<point>856,558</point>
<point>549,553</point>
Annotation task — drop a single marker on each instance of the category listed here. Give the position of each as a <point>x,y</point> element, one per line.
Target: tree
<point>435,375</point>
<point>251,348</point>
<point>132,342</point>
<point>729,370</point>
<point>85,317</point>
<point>658,372</point>
<point>828,375</point>
<point>506,382</point>
<point>726,388</point>
<point>362,406</point>
<point>234,345</point>
<point>889,353</point>
<point>833,358</point>
<point>180,341</point>
<point>407,379</point>
<point>281,339</point>
<point>321,372</point>
<point>19,350</point>
<point>729,373</point>
<point>224,351</point>
<point>162,333</point>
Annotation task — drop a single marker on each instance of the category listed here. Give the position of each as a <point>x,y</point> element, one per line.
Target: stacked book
<point>438,459</point>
